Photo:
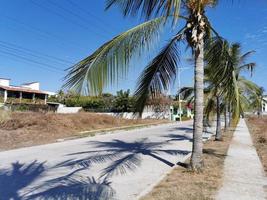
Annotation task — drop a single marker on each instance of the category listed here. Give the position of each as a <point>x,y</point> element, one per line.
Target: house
<point>26,93</point>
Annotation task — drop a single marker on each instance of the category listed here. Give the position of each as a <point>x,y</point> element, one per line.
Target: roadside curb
<point>93,133</point>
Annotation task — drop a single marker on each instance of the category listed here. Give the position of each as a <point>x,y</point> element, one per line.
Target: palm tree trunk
<point>196,158</point>
<point>225,118</point>
<point>218,135</point>
<point>229,116</point>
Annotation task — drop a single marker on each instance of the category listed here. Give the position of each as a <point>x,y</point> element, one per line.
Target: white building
<point>26,93</point>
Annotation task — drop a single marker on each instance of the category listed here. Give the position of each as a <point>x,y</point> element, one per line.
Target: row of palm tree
<point>226,91</point>
<point>111,61</point>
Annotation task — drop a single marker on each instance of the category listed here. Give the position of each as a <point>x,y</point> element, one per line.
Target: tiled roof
<point>22,89</point>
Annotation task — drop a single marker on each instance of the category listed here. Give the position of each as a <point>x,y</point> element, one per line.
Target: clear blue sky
<point>61,32</point>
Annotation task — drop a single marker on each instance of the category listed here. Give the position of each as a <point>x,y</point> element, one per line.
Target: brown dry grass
<point>22,129</point>
<point>182,184</point>
<point>258,130</point>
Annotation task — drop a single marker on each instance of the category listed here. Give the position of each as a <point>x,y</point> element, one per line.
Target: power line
<point>42,33</point>
<point>85,20</point>
<point>47,66</point>
<point>92,15</point>
<point>66,18</point>
<point>33,53</point>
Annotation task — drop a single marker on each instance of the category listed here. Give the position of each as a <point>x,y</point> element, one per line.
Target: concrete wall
<point>145,115</point>
<point>65,110</point>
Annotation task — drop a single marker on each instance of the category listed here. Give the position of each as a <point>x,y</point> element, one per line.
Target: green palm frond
<point>186,92</point>
<point>148,8</point>
<point>158,75</point>
<point>248,86</point>
<point>210,106</point>
<point>245,56</point>
<point>111,60</point>
<point>247,67</point>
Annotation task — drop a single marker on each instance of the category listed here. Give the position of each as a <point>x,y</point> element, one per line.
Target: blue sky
<point>41,38</point>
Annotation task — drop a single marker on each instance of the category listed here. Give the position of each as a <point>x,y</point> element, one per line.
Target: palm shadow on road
<point>123,156</point>
<point>74,187</point>
<point>176,137</point>
<point>184,129</point>
<point>21,176</point>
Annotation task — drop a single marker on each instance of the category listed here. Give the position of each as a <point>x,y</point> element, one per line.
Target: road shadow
<point>19,176</point>
<point>185,129</point>
<point>74,187</point>
<point>176,137</point>
<point>213,153</point>
<point>123,156</point>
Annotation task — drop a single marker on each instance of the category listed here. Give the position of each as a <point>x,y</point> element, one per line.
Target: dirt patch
<point>20,129</point>
<point>258,130</point>
<point>183,184</point>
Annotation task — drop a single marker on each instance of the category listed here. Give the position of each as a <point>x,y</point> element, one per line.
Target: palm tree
<point>226,64</point>
<point>257,100</point>
<point>221,90</point>
<point>111,60</point>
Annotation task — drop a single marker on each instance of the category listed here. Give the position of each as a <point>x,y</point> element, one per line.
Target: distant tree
<point>123,101</point>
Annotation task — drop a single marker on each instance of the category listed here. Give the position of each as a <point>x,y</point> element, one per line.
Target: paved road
<point>243,172</point>
<point>121,165</point>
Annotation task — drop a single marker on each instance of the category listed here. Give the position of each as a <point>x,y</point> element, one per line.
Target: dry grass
<point>182,184</point>
<point>258,129</point>
<point>4,116</point>
<point>20,129</point>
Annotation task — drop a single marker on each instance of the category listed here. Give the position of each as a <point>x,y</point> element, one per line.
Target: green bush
<point>106,102</point>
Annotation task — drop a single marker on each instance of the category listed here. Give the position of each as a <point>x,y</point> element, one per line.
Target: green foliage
<point>123,102</point>
<point>111,60</point>
<point>105,102</point>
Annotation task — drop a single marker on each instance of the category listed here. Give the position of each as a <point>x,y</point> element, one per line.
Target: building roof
<point>22,89</point>
<point>30,83</point>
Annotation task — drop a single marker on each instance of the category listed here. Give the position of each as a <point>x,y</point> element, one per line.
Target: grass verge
<point>183,184</point>
<point>258,130</point>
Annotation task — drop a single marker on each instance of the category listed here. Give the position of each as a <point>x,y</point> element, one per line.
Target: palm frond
<point>248,86</point>
<point>158,75</point>
<point>186,92</point>
<point>244,57</point>
<point>248,67</point>
<point>111,60</point>
<point>148,8</point>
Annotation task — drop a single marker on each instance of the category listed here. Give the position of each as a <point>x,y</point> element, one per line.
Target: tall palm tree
<point>227,86</point>
<point>111,60</point>
<point>226,64</point>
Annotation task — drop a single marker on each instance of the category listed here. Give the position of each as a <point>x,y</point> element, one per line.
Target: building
<point>26,93</point>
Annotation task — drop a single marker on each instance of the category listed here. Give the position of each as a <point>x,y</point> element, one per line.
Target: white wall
<point>65,110</point>
<point>4,82</point>
<point>145,115</point>
<point>33,86</point>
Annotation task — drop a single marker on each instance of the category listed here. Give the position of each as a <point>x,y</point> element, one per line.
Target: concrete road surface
<point>122,165</point>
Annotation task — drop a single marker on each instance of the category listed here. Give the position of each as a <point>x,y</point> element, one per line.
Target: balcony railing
<point>11,100</point>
